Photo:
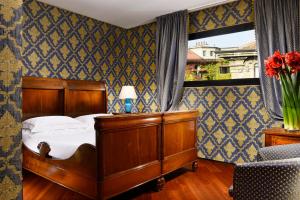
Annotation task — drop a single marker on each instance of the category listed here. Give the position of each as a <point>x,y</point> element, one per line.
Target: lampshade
<point>127,92</point>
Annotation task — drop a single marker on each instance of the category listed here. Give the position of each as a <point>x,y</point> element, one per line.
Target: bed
<point>129,150</point>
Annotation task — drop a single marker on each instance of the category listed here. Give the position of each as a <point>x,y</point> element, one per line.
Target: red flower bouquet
<point>286,67</point>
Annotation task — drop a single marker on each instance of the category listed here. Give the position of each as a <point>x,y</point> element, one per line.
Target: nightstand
<point>279,136</point>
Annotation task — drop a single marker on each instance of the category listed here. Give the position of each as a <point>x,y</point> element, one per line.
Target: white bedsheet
<point>63,143</point>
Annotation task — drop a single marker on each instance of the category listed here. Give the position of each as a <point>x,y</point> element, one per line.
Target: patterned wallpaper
<point>140,66</point>
<point>230,121</point>
<point>62,44</point>
<point>10,99</point>
<point>230,14</point>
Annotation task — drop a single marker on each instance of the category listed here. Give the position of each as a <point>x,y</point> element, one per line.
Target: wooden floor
<point>209,182</point>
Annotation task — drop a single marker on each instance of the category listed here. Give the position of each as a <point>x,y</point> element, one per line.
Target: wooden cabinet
<point>279,136</point>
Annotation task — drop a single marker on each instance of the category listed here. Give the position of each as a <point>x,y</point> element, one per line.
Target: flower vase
<point>291,102</point>
<point>291,118</point>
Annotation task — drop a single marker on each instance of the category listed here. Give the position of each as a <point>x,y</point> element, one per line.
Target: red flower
<point>270,71</point>
<point>274,65</point>
<point>293,60</point>
<point>276,61</point>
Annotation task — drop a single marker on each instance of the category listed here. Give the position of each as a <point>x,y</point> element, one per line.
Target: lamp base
<point>128,105</point>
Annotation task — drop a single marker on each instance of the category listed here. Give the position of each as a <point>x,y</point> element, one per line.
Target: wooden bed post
<point>100,167</point>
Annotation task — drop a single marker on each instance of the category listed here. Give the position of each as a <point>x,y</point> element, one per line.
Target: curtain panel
<point>171,53</point>
<point>277,28</point>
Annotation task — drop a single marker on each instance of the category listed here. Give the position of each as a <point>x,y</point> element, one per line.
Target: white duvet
<point>63,134</point>
<point>63,143</point>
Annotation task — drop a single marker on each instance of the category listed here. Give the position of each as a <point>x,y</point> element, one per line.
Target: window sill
<point>231,82</point>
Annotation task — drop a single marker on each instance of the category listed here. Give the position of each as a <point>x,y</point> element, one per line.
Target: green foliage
<point>209,72</point>
<point>212,70</point>
<point>189,76</point>
<point>223,76</point>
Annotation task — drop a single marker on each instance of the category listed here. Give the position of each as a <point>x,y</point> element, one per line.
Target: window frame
<point>228,82</point>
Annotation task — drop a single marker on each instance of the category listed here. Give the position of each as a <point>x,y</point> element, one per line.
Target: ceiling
<point>130,13</point>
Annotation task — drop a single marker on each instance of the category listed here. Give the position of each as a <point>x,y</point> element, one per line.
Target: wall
<point>62,44</point>
<point>231,118</point>
<point>226,15</point>
<point>230,121</point>
<point>140,66</point>
<point>10,99</point>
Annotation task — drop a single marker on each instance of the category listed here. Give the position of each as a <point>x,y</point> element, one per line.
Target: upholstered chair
<point>275,175</point>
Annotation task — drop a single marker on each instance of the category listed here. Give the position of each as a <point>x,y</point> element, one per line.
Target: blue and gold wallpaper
<point>61,44</point>
<point>230,14</point>
<point>140,66</point>
<point>10,99</point>
<point>230,122</point>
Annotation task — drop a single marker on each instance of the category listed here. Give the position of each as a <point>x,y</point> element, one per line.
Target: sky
<point>227,40</point>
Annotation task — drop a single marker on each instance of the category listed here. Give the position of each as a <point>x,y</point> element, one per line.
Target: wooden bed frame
<point>131,149</point>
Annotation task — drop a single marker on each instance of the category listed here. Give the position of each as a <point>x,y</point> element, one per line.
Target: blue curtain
<point>277,28</point>
<point>171,53</point>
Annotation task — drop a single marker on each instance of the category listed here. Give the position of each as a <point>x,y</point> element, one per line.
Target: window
<point>220,56</point>
<point>224,70</point>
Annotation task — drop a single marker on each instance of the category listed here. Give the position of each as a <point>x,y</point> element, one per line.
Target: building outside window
<point>256,71</point>
<point>227,57</point>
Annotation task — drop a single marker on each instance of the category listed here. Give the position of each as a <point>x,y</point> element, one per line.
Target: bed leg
<point>44,149</point>
<point>195,166</point>
<point>160,182</point>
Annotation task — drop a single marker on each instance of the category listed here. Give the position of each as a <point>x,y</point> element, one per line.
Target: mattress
<point>63,143</point>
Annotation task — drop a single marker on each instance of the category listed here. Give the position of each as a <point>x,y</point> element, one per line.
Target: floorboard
<point>209,182</point>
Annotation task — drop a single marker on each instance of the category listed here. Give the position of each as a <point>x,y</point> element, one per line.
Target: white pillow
<point>89,119</point>
<point>44,124</point>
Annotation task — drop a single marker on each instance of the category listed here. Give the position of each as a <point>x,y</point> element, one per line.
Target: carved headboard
<point>47,96</point>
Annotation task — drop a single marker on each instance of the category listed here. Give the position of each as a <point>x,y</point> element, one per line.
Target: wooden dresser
<point>279,136</point>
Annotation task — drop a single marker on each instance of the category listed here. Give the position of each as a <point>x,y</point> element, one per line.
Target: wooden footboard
<point>76,173</point>
<point>128,149</point>
<point>179,140</point>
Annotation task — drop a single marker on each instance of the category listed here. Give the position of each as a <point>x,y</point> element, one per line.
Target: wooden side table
<point>279,136</point>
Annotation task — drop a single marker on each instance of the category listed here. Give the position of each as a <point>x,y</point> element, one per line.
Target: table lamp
<point>128,93</point>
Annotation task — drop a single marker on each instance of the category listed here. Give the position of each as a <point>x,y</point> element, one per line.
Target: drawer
<point>280,140</point>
